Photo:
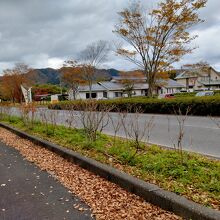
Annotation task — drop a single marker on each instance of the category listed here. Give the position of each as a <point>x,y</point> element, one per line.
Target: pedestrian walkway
<point>27,193</point>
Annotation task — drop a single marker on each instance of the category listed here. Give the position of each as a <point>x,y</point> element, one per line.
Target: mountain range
<point>53,76</point>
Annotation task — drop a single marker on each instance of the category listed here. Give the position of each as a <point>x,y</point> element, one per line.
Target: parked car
<point>205,93</point>
<point>166,96</point>
<point>101,98</point>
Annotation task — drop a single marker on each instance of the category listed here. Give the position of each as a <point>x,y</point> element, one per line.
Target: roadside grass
<point>197,178</point>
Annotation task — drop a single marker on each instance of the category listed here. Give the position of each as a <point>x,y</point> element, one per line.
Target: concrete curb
<point>151,193</point>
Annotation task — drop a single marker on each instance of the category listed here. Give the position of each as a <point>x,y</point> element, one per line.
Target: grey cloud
<point>40,32</point>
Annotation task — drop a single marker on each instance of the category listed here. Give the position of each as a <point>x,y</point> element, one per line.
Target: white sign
<point>54,99</point>
<point>27,95</point>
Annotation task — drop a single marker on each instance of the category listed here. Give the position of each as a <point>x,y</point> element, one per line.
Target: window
<point>93,94</point>
<point>144,92</point>
<point>205,78</point>
<point>105,94</point>
<point>118,94</point>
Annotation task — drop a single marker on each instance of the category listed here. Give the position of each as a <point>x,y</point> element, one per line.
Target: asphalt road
<point>27,193</point>
<point>201,134</point>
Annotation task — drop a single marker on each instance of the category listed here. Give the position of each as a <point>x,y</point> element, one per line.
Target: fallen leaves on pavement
<point>107,200</point>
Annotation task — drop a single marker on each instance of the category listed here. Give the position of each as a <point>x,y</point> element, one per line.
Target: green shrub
<point>201,106</point>
<point>185,94</point>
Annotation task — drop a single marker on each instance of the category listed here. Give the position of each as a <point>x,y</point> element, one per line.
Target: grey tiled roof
<point>112,85</point>
<point>118,86</point>
<point>173,84</point>
<point>130,78</point>
<point>141,86</point>
<point>186,74</point>
<point>95,87</point>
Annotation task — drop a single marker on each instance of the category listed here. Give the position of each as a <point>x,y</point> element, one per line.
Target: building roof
<point>118,78</point>
<point>115,86</point>
<point>191,73</point>
<point>172,84</point>
<point>141,86</point>
<point>184,74</point>
<point>95,87</point>
<point>112,86</point>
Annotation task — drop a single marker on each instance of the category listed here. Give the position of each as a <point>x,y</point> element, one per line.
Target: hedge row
<point>202,106</point>
<point>191,94</point>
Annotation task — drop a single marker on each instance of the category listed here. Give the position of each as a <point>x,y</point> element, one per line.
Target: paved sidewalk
<point>27,193</point>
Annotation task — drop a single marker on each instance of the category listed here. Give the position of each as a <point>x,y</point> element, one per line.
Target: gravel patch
<point>107,200</point>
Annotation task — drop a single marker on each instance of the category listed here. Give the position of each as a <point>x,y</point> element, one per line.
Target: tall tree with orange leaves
<point>12,80</point>
<point>159,38</point>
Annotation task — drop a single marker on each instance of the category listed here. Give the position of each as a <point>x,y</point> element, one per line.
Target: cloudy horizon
<point>45,33</point>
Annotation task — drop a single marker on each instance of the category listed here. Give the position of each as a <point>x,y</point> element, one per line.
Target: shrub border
<point>149,192</point>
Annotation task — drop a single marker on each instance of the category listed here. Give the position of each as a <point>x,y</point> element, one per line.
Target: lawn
<point>196,177</point>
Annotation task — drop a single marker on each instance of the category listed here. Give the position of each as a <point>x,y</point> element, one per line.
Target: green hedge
<point>199,105</point>
<point>185,94</point>
<point>192,94</point>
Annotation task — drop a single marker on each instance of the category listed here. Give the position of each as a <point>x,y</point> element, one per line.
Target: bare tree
<point>72,117</point>
<point>159,38</point>
<point>116,124</point>
<point>28,114</point>
<point>91,57</point>
<point>181,119</point>
<point>44,119</point>
<point>137,129</point>
<point>3,112</point>
<point>53,115</point>
<point>93,118</point>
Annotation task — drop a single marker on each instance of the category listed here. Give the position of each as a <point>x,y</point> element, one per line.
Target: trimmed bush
<point>202,106</point>
<point>192,94</point>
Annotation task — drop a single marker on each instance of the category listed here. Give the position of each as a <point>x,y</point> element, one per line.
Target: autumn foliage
<point>160,37</point>
<point>11,82</point>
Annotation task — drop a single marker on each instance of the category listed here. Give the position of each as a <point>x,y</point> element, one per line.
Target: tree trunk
<point>74,93</point>
<point>150,84</point>
<point>90,90</point>
<point>150,91</point>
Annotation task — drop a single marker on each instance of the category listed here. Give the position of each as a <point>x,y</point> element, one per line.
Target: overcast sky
<point>44,33</point>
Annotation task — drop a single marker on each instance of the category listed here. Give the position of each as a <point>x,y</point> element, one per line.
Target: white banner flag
<point>27,94</point>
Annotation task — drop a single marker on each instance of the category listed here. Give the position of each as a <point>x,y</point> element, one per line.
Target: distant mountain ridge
<point>52,76</point>
<point>44,76</point>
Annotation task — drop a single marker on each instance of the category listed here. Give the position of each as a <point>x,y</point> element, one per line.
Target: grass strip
<point>197,178</point>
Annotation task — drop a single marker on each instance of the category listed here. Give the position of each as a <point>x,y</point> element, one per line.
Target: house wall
<point>111,94</point>
<point>213,75</point>
<point>195,83</point>
<point>138,92</point>
<point>164,90</point>
<point>181,81</point>
<point>82,95</point>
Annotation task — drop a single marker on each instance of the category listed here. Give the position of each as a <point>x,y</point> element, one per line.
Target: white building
<point>197,79</point>
<point>170,87</point>
<point>115,89</point>
<point>108,90</point>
